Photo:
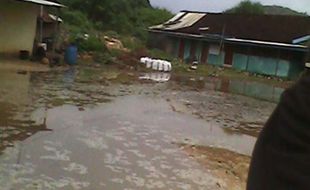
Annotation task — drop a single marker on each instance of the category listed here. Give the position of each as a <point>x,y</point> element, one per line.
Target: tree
<point>247,7</point>
<point>123,16</point>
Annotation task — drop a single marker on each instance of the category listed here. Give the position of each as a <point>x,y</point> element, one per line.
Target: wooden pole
<point>56,31</point>
<point>277,64</point>
<point>41,24</point>
<point>222,43</point>
<point>248,59</point>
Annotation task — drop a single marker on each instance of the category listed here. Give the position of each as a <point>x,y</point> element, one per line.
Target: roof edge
<point>43,2</point>
<point>223,13</point>
<point>200,12</point>
<point>239,41</point>
<point>301,39</point>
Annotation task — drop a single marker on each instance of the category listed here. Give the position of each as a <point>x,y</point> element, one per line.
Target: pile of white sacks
<point>156,64</point>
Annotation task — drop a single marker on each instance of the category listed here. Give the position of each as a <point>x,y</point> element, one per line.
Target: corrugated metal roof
<point>302,39</point>
<point>176,17</point>
<point>209,38</point>
<point>43,2</point>
<point>49,18</point>
<point>53,17</point>
<point>181,20</point>
<point>265,43</point>
<point>272,28</point>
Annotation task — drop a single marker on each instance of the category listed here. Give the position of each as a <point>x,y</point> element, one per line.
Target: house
<point>271,45</point>
<point>18,21</point>
<point>47,28</point>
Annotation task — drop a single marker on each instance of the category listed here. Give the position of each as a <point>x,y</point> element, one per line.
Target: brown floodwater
<point>105,129</point>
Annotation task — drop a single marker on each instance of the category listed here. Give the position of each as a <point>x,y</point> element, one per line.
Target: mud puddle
<point>106,129</point>
<point>239,107</point>
<point>113,146</point>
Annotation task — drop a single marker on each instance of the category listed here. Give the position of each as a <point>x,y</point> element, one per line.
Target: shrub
<point>91,44</point>
<point>112,34</point>
<point>132,43</point>
<point>77,19</point>
<point>159,54</point>
<point>103,57</point>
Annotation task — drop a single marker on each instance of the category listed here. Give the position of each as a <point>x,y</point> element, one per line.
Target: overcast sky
<point>220,5</point>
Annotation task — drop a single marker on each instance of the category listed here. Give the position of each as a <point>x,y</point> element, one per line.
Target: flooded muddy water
<point>106,129</point>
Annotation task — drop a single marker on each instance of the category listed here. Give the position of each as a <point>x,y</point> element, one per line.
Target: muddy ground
<point>106,128</point>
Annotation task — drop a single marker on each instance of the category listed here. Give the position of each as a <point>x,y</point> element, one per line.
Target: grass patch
<point>180,68</point>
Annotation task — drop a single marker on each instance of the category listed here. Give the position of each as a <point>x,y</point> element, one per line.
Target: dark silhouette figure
<point>281,157</point>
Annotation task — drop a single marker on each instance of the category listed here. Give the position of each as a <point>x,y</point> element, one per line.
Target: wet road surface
<point>89,129</point>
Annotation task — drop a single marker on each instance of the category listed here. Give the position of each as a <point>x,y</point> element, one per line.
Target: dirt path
<point>229,166</point>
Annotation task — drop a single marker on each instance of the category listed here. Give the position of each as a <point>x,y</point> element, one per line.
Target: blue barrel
<point>71,55</point>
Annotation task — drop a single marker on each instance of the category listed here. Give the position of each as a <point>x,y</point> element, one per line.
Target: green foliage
<point>247,7</point>
<point>279,10</point>
<point>130,17</point>
<point>112,34</point>
<point>149,17</point>
<point>91,44</point>
<point>132,42</point>
<point>127,20</point>
<point>115,52</point>
<point>103,57</point>
<point>76,24</point>
<point>77,18</point>
<point>159,54</point>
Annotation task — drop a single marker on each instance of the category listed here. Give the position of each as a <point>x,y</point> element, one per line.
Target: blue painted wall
<point>254,64</point>
<point>266,66</point>
<point>283,68</point>
<point>176,46</point>
<point>216,59</point>
<point>240,61</point>
<point>198,50</point>
<point>262,65</point>
<point>187,49</point>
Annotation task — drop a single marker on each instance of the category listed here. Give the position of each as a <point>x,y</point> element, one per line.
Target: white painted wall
<point>17,26</point>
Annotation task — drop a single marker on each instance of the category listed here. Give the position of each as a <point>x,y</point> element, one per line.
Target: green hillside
<point>278,10</point>
<point>249,7</point>
<point>130,17</point>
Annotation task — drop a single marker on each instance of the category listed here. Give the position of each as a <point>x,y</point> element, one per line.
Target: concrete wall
<point>18,26</point>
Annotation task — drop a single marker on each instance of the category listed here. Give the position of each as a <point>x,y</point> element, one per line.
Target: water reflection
<point>124,144</point>
<point>20,118</point>
<point>257,90</point>
<point>69,77</point>
<point>26,98</point>
<point>157,77</point>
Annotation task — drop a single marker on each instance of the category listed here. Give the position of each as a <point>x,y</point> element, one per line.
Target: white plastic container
<point>155,65</point>
<point>161,65</point>
<point>148,63</point>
